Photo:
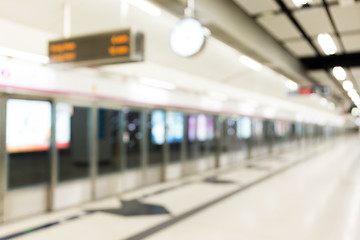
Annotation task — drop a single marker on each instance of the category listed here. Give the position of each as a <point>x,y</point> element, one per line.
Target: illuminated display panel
<point>191,128</point>
<point>244,128</point>
<point>93,47</point>
<point>28,126</point>
<point>201,130</point>
<point>175,127</point>
<point>280,128</point>
<point>210,128</point>
<point>157,127</point>
<point>64,112</point>
<point>258,127</point>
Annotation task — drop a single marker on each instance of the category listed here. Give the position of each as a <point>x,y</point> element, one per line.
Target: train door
<point>175,144</point>
<point>25,156</point>
<point>74,168</point>
<point>111,157</point>
<point>155,162</point>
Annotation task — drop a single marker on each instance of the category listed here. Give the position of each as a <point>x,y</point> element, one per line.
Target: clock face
<point>187,38</point>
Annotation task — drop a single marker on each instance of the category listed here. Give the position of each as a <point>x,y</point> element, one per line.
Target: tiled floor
<point>317,198</point>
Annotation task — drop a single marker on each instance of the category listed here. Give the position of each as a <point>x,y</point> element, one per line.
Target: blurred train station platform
<point>179,119</point>
<point>313,192</point>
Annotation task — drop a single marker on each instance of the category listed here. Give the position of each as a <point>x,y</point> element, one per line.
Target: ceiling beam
<point>327,62</point>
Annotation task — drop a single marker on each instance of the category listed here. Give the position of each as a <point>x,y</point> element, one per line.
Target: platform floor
<point>312,193</point>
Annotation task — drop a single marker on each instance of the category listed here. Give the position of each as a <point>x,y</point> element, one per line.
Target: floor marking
<point>187,214</point>
<point>28,231</point>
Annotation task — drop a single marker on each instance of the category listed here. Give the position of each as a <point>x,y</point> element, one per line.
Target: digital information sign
<point>98,49</point>
<point>320,90</point>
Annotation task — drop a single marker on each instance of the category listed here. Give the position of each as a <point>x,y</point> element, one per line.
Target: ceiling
<point>293,29</point>
<point>296,29</point>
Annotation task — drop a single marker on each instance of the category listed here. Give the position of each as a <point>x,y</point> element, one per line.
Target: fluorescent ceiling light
<point>146,7</point>
<point>157,83</point>
<point>347,85</point>
<point>291,85</point>
<point>326,43</point>
<point>218,96</point>
<point>300,3</point>
<point>339,73</point>
<point>24,55</point>
<point>251,63</point>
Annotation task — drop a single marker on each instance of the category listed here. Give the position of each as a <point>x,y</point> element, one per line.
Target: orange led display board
<point>98,49</point>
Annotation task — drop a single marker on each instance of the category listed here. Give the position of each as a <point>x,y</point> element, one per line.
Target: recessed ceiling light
<point>300,3</point>
<point>352,93</point>
<point>339,73</point>
<point>347,85</point>
<point>327,43</point>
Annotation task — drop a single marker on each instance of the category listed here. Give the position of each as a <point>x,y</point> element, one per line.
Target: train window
<point>156,133</point>
<point>243,126</point>
<point>269,129</point>
<point>28,132</point>
<point>210,120</point>
<point>72,140</point>
<point>109,140</point>
<point>201,135</point>
<point>191,137</point>
<point>132,138</point>
<point>174,134</point>
<point>231,133</point>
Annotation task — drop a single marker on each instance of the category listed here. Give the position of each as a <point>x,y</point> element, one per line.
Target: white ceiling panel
<point>300,48</point>
<point>351,42</point>
<point>314,21</point>
<point>254,7</point>
<point>279,26</point>
<point>43,14</point>
<point>346,17</point>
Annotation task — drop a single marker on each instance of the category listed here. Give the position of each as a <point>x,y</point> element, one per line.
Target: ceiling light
<point>218,96</point>
<point>352,93</point>
<point>300,3</point>
<point>357,121</point>
<point>251,63</point>
<point>24,55</point>
<point>146,7</point>
<point>331,106</point>
<point>326,43</point>
<point>355,111</point>
<point>347,85</point>
<point>323,101</point>
<point>157,83</point>
<point>339,73</point>
<point>291,85</point>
